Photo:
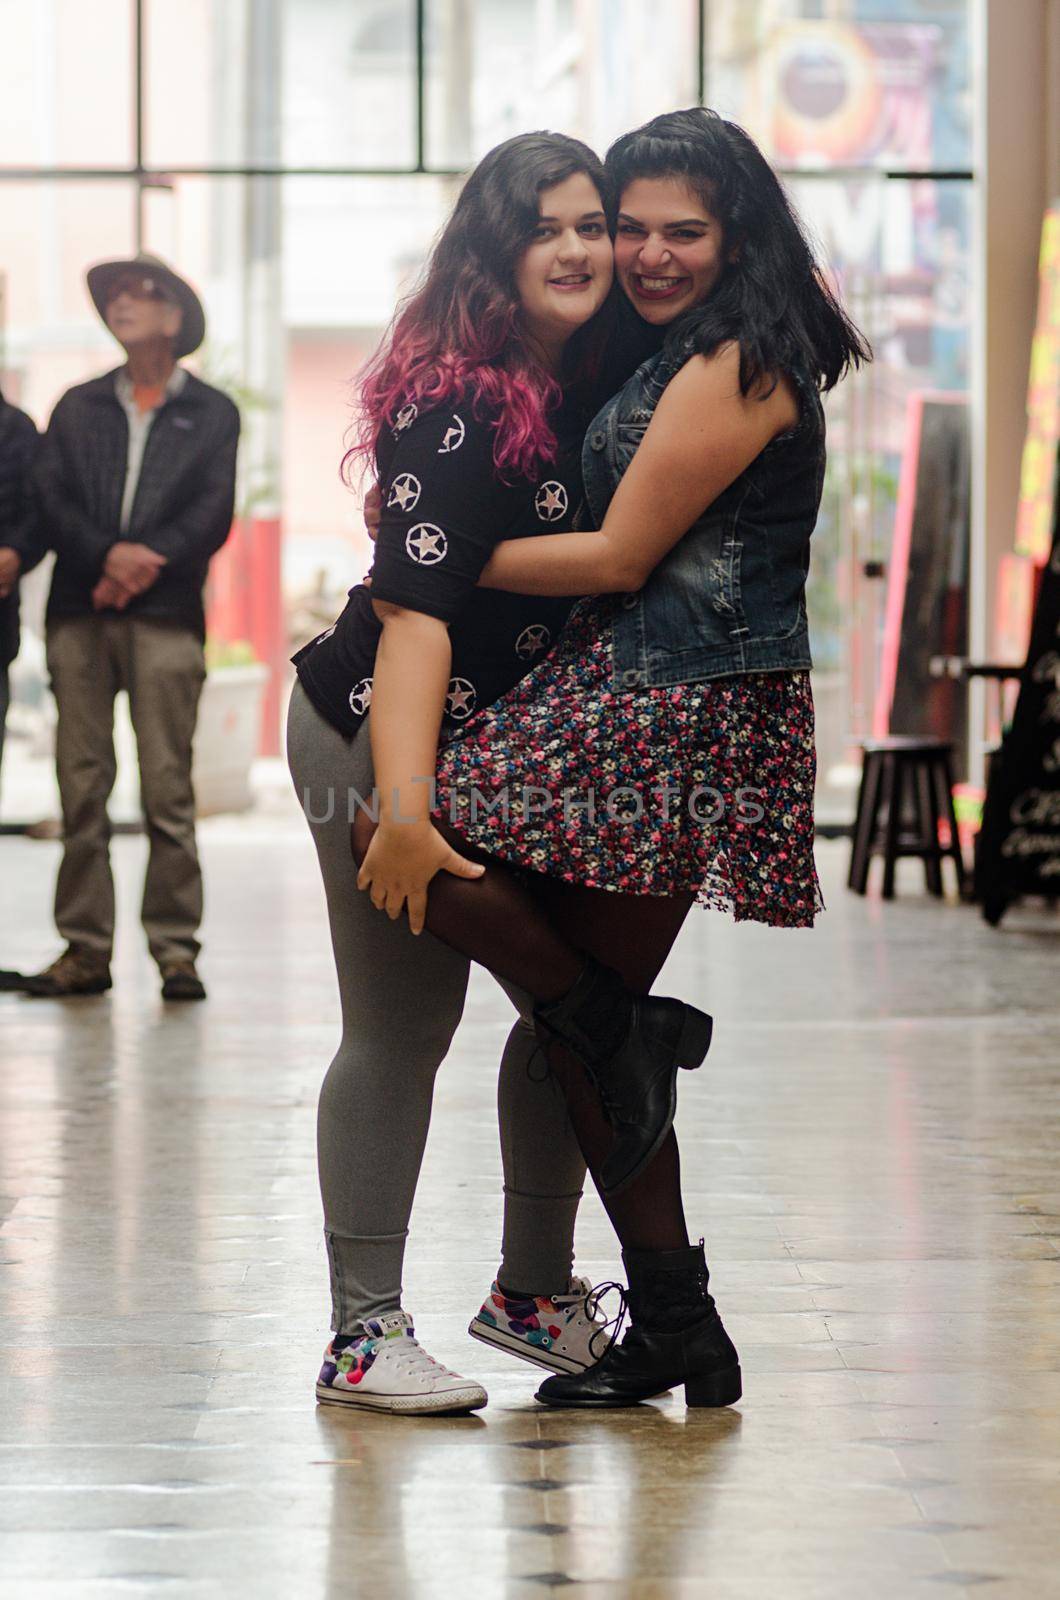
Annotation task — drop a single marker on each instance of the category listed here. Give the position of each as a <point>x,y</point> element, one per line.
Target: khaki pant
<point>161,667</point>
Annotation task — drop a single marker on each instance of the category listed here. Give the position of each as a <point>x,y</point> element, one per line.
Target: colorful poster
<point>1034,521</point>
<point>852,94</point>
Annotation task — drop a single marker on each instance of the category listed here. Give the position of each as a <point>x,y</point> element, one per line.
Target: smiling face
<point>563,276</point>
<point>669,249</point>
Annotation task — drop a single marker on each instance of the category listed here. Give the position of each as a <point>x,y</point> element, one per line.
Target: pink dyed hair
<point>459,335</point>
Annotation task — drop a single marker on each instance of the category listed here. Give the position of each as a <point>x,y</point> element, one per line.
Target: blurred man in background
<point>136,478</point>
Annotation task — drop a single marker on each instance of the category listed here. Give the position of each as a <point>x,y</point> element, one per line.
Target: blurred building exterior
<point>294,158</point>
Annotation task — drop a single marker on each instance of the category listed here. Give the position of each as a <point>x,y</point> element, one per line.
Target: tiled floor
<point>872,1156</point>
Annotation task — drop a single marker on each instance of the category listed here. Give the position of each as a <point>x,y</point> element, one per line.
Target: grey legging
<point>402,998</point>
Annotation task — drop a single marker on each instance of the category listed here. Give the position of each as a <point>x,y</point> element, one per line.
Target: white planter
<point>227,736</point>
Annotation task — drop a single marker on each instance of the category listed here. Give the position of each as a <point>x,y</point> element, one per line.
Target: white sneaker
<point>387,1369</point>
<point>559,1333</point>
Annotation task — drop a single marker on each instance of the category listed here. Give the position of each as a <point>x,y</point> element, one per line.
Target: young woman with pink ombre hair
<point>473,416</point>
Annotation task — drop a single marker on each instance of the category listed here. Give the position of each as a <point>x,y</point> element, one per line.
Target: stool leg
<point>892,793</point>
<point>943,769</point>
<point>865,824</point>
<point>855,832</point>
<point>928,819</point>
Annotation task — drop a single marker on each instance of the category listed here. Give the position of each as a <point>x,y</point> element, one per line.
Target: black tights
<point>534,931</point>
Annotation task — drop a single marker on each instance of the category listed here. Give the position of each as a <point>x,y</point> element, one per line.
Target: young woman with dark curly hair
<point>683,688</point>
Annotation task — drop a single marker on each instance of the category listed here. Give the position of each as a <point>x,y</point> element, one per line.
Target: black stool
<point>892,769</point>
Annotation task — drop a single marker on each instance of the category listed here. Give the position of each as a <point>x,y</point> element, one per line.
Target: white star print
<point>327,633</point>
<point>532,639</point>
<point>404,491</point>
<point>361,697</point>
<point>426,544</point>
<point>460,701</point>
<point>550,502</point>
<point>454,437</point>
<point>405,418</point>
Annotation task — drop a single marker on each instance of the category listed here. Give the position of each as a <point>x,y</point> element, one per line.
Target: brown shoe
<point>76,972</point>
<point>180,981</point>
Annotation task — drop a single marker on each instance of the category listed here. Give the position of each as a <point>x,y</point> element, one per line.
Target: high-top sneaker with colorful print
<point>557,1333</point>
<point>385,1368</point>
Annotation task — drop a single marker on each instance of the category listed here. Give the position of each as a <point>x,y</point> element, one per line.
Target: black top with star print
<point>445,507</point>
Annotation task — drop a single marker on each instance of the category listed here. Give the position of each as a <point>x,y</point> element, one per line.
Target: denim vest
<point>730,596</point>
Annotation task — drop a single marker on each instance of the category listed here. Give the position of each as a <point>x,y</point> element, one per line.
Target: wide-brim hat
<point>193,321</point>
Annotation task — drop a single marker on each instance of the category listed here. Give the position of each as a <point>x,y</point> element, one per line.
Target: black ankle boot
<point>631,1046</point>
<point>675,1337</point>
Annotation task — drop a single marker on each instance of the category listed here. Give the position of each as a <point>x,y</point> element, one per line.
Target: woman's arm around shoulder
<point>704,433</point>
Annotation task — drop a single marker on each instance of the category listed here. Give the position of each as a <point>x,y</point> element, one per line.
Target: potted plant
<point>229,727</point>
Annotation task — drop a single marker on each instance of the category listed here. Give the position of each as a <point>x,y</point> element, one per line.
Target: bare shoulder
<point>712,383</point>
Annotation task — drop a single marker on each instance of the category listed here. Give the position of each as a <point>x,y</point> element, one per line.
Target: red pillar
<point>244,605</point>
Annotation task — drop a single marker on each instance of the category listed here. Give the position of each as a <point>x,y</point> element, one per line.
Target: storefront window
<point>861,104</point>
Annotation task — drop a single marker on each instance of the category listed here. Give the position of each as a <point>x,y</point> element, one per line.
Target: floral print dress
<point>702,788</point>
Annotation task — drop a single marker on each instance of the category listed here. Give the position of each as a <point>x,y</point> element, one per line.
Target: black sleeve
<point>68,529</point>
<point>204,523</point>
<point>444,510</point>
<point>23,533</point>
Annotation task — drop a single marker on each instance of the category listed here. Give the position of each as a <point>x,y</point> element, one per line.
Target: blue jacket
<point>730,596</point>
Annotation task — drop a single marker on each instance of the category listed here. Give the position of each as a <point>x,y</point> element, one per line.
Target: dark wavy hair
<point>773,300</point>
<point>459,335</point>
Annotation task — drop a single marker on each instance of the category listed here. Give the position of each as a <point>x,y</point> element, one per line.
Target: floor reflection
<point>872,1158</point>
<point>570,1497</point>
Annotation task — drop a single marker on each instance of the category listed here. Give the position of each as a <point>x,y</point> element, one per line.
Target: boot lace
<point>615,1323</point>
<point>608,1104</point>
<point>540,1054</point>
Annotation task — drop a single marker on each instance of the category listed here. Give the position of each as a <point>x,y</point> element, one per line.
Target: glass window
<point>196,69</point>
<point>318,83</point>
<point>499,67</point>
<point>349,83</point>
<point>66,83</point>
<point>300,275</point>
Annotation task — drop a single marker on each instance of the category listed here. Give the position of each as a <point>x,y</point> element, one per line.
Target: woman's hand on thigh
<point>399,864</point>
